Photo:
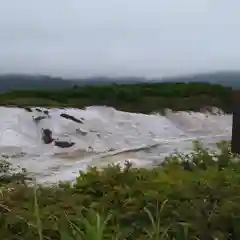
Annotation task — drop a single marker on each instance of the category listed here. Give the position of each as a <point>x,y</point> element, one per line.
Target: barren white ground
<point>112,136</point>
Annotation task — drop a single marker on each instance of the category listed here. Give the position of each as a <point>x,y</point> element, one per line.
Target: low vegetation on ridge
<point>188,196</point>
<point>144,98</point>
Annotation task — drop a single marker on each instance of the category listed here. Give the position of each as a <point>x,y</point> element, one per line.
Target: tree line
<point>143,97</point>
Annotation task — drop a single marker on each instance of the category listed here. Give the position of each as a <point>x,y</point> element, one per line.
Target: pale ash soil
<point>105,136</point>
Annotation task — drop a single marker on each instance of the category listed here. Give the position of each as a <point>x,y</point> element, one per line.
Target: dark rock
<point>47,131</point>
<point>64,144</point>
<point>111,149</point>
<point>46,112</point>
<point>151,134</point>
<point>38,110</point>
<point>47,136</point>
<point>98,135</point>
<point>67,116</point>
<point>37,119</point>
<point>82,132</point>
<point>93,131</point>
<point>28,109</point>
<point>90,148</point>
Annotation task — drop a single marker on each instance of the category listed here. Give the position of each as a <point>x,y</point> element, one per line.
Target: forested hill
<point>9,82</point>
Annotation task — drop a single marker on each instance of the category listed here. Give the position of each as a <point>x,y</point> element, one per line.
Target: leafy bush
<point>188,196</point>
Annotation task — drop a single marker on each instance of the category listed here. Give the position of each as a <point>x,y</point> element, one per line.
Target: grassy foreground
<point>190,196</point>
<point>144,98</point>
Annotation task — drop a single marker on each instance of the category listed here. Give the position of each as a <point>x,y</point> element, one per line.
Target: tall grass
<point>37,213</point>
<point>156,232</point>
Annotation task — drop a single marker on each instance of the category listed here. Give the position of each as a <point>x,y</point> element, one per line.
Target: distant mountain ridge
<point>22,81</point>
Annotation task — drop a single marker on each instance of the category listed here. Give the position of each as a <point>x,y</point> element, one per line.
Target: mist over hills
<point>21,81</point>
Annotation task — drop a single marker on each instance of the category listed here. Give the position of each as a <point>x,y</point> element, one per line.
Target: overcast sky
<point>152,38</point>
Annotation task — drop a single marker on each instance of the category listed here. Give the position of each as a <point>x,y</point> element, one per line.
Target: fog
<point>152,38</point>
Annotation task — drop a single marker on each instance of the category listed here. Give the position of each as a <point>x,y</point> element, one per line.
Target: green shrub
<point>188,196</point>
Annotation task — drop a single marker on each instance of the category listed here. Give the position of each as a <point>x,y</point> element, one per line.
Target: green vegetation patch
<point>145,98</point>
<point>188,196</point>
